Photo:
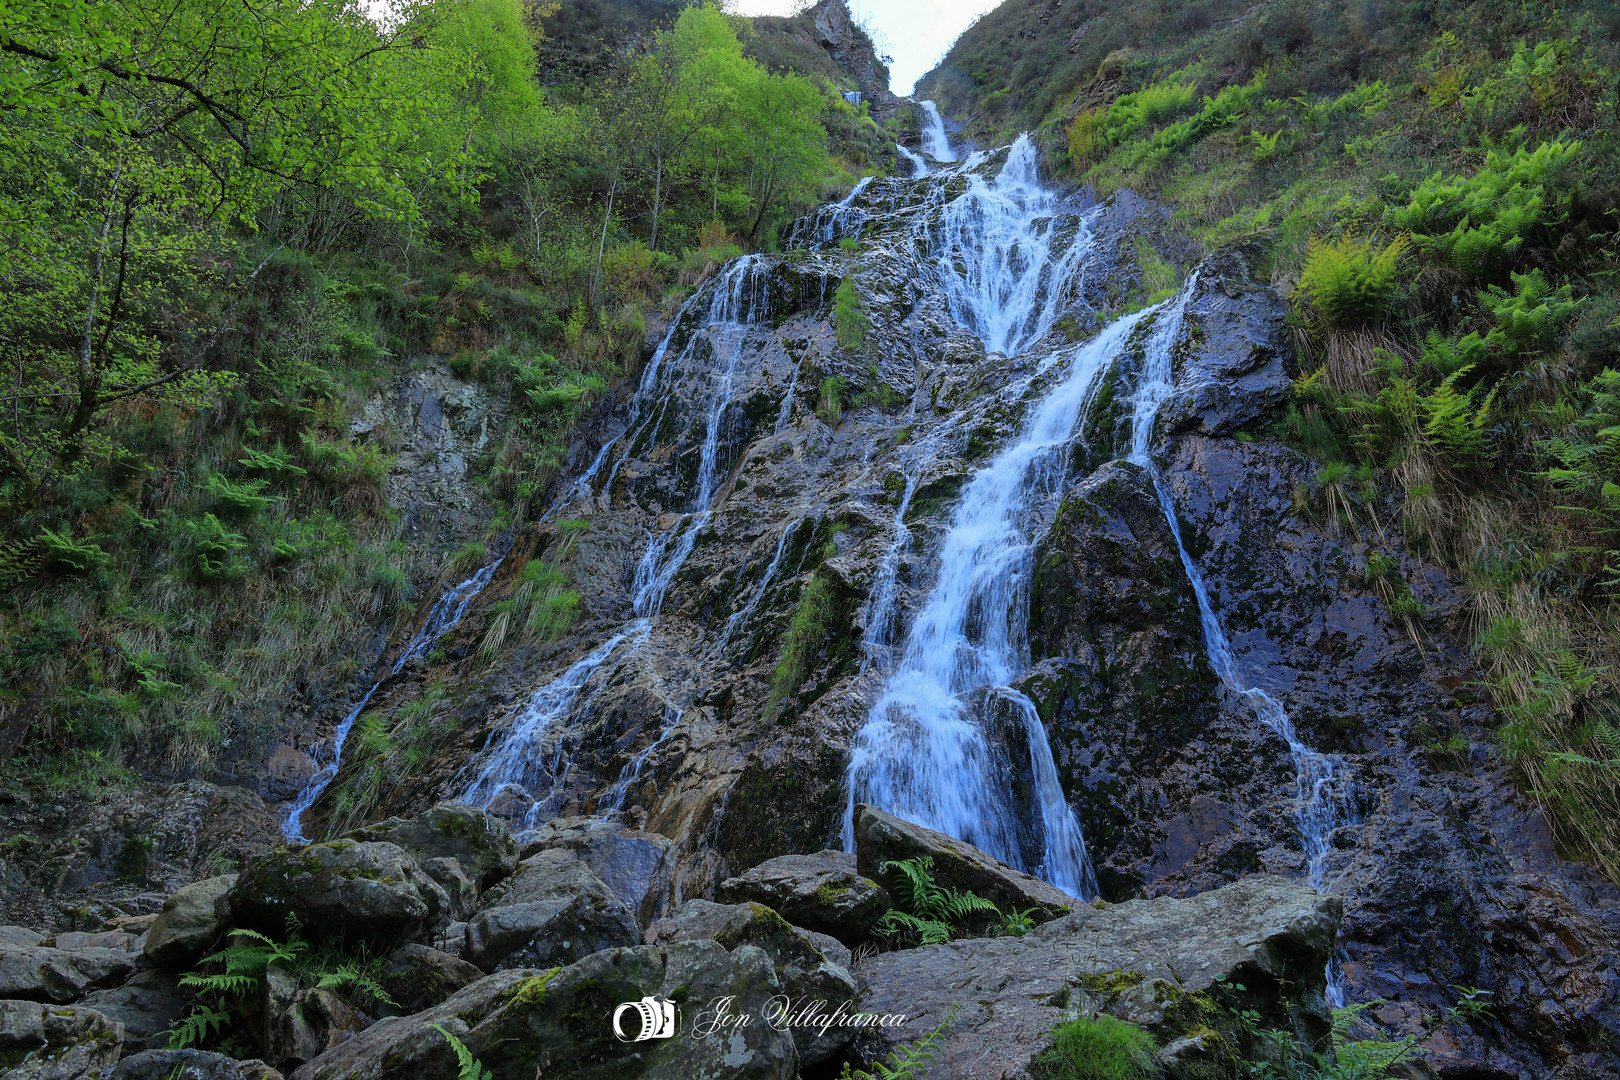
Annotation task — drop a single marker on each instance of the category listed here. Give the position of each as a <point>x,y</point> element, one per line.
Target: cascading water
<point>1319,807</point>
<point>521,763</point>
<point>999,260</point>
<point>445,614</point>
<point>936,144</point>
<point>921,754</point>
<point>919,167</point>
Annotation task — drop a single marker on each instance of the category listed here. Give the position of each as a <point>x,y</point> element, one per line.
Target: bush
<point>1351,282</point>
<point>1099,1048</point>
<point>851,320</point>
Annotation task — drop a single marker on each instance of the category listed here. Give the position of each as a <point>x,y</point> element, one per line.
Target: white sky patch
<point>916,34</point>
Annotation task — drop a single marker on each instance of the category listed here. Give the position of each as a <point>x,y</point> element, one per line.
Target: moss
<point>531,992</point>
<point>828,893</point>
<point>1112,983</point>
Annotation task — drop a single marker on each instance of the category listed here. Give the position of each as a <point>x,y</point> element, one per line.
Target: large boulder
<point>190,1065</point>
<point>815,985</point>
<point>479,843</point>
<point>881,837</point>
<point>148,1005</point>
<point>634,864</point>
<point>367,891</point>
<point>60,1043</point>
<point>189,922</point>
<point>37,973</point>
<point>1174,966</point>
<point>822,892</point>
<point>554,910</point>
<point>300,1023</point>
<point>522,1023</point>
<point>417,977</point>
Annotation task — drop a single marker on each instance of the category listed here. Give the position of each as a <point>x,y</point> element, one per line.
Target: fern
<point>471,1067</point>
<point>1454,425</point>
<point>908,1061</point>
<point>198,1026</point>
<point>934,911</point>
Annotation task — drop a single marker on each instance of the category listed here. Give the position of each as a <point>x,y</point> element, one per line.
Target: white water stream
<point>936,144</point>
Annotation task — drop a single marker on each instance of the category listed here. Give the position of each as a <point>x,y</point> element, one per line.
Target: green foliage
<point>932,913</point>
<point>908,1061</point>
<point>1479,223</point>
<point>851,321</point>
<point>1350,281</point>
<point>468,1067</point>
<point>1098,1048</point>
<point>238,500</point>
<point>1532,318</point>
<point>830,399</point>
<point>1457,427</point>
<point>805,642</point>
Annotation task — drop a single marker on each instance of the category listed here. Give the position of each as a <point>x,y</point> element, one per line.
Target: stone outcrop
<point>554,910</point>
<point>37,973</point>
<point>1172,966</point>
<point>59,1043</point>
<point>358,891</point>
<point>190,921</point>
<point>480,844</point>
<point>822,892</point>
<point>882,837</point>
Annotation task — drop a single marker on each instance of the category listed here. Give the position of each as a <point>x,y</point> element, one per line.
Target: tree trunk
<point>601,245</point>
<point>658,197</point>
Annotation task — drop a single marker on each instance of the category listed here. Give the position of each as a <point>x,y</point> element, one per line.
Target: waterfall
<point>1319,809</point>
<point>523,761</point>
<point>444,616</point>
<point>935,142</point>
<point>740,618</point>
<point>919,755</point>
<point>919,167</point>
<point>999,258</point>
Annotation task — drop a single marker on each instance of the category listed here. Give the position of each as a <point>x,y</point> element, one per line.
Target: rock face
<point>636,865</point>
<point>807,976</point>
<point>360,891</point>
<point>60,1043</point>
<point>1172,966</point>
<point>822,892</point>
<point>190,1065</point>
<point>149,1006</point>
<point>189,922</point>
<point>881,837</point>
<point>523,1022</point>
<point>554,910</point>
<point>36,973</point>
<point>479,843</point>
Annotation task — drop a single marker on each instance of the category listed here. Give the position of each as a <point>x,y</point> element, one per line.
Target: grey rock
<point>300,1023</point>
<point>821,892</point>
<point>480,843</point>
<point>461,889</point>
<point>190,1065</point>
<point>36,973</point>
<point>881,837</point>
<point>106,939</point>
<point>1138,961</point>
<point>149,1006</point>
<point>560,930</point>
<point>360,891</point>
<point>20,935</point>
<point>189,922</point>
<point>810,979</point>
<point>518,1025</point>
<point>634,864</point>
<point>62,1043</point>
<point>418,978</point>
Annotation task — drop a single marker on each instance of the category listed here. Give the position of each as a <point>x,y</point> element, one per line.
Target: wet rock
<point>36,973</point>
<point>61,1043</point>
<point>478,842</point>
<point>190,1065</point>
<point>522,1022</point>
<point>371,891</point>
<point>1170,965</point>
<point>882,837</point>
<point>634,864</point>
<point>149,1006</point>
<point>189,922</point>
<point>418,978</point>
<point>821,892</point>
<point>1233,369</point>
<point>814,984</point>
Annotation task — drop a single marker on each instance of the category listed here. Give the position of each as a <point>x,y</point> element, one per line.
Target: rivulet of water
<point>936,144</point>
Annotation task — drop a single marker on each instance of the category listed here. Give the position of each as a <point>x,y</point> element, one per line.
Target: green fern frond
<point>471,1067</point>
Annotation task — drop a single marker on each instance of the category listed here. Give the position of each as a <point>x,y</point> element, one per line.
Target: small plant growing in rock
<point>1099,1048</point>
<point>851,321</point>
<point>908,1061</point>
<point>934,913</point>
<point>469,1067</point>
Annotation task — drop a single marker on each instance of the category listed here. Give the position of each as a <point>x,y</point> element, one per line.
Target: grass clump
<point>806,640</point>
<point>852,322</point>
<point>1098,1048</point>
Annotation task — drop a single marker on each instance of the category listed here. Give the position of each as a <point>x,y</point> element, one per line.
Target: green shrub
<point>851,321</point>
<point>239,500</point>
<point>1350,281</point>
<point>830,400</point>
<point>806,638</point>
<point>1478,223</point>
<point>1098,1048</point>
<point>219,553</point>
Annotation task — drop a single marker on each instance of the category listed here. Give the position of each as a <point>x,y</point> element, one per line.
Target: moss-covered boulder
<point>822,892</point>
<point>343,889</point>
<point>480,843</point>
